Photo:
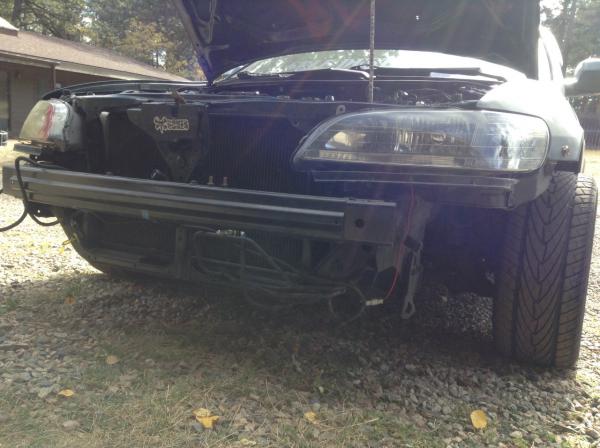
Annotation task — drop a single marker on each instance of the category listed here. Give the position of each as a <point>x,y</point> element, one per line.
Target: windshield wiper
<point>416,71</point>
<point>253,75</point>
<point>248,75</point>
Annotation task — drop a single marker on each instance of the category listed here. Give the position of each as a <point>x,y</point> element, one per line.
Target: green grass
<point>7,305</point>
<point>147,398</point>
<point>154,406</point>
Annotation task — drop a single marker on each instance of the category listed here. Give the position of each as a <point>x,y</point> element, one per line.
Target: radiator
<point>253,153</point>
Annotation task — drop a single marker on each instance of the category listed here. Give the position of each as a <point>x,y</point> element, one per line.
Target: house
<point>588,111</point>
<point>32,64</point>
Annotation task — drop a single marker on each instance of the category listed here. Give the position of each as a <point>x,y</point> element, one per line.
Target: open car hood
<point>230,33</point>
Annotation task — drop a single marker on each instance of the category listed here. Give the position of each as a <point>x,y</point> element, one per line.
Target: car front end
<point>300,173</point>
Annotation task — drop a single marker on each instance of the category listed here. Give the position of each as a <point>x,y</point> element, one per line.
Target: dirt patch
<point>592,163</point>
<point>7,154</point>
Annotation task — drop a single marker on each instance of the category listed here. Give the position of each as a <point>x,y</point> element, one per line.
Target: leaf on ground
<point>205,418</point>
<point>70,300</point>
<point>202,413</point>
<point>67,393</point>
<point>111,360</point>
<point>208,422</point>
<point>311,417</point>
<point>479,419</point>
<point>63,246</point>
<point>246,442</point>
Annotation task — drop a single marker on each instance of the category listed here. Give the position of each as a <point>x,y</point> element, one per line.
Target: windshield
<point>344,59</point>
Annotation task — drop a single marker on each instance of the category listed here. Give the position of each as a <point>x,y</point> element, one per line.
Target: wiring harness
<point>276,284</point>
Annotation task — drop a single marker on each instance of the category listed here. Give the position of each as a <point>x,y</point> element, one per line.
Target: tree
<point>148,30</point>
<point>576,24</point>
<point>59,18</point>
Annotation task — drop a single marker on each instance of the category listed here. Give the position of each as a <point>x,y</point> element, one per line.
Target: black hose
<point>26,204</point>
<point>16,223</point>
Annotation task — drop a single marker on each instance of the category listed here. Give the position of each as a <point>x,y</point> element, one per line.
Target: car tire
<point>107,269</point>
<point>116,272</point>
<point>543,278</point>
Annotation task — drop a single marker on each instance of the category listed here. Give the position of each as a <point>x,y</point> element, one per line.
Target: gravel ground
<point>140,357</point>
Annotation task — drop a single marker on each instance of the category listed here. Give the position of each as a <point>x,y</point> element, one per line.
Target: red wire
<point>400,256</point>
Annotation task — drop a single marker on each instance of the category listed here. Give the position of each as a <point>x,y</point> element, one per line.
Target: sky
<point>551,3</point>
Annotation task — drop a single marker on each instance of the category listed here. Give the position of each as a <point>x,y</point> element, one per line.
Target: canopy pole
<point>372,53</point>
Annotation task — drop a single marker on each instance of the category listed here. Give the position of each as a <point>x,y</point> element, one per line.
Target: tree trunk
<point>17,13</point>
<point>570,13</point>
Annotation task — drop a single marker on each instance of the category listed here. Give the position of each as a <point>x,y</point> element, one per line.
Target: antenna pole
<point>372,53</point>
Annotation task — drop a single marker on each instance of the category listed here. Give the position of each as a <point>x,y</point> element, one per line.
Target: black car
<point>339,152</point>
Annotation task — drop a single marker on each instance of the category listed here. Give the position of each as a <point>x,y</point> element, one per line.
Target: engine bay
<point>433,92</point>
<point>242,133</point>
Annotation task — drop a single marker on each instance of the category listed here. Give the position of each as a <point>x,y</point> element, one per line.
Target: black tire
<point>115,272</point>
<point>542,284</point>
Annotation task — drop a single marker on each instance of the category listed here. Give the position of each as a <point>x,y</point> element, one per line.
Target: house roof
<point>6,27</point>
<point>36,49</point>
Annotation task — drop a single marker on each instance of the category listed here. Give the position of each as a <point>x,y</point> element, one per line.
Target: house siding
<point>27,84</point>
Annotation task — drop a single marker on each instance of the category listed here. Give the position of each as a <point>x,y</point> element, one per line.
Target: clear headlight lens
<point>52,123</point>
<point>475,140</point>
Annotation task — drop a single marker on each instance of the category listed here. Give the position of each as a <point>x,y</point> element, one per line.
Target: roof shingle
<point>51,49</point>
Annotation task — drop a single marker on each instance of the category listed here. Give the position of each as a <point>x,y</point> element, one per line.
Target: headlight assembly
<point>53,124</point>
<point>468,140</point>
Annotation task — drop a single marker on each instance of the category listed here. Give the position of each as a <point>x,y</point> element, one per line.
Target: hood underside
<point>230,33</point>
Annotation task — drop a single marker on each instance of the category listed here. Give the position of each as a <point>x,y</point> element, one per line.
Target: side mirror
<point>586,80</point>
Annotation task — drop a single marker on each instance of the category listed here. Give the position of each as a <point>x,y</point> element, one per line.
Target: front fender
<point>547,101</point>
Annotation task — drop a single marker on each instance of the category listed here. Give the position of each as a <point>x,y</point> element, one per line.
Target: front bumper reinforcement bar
<point>304,216</point>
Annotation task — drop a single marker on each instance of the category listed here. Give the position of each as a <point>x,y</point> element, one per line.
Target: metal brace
<point>414,278</point>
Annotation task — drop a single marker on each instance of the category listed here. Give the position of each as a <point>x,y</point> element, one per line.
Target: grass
<point>7,305</point>
<point>165,372</point>
<point>155,409</point>
<point>241,370</point>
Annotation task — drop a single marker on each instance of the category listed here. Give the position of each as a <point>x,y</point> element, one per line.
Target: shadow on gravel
<point>438,367</point>
<point>452,330</point>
